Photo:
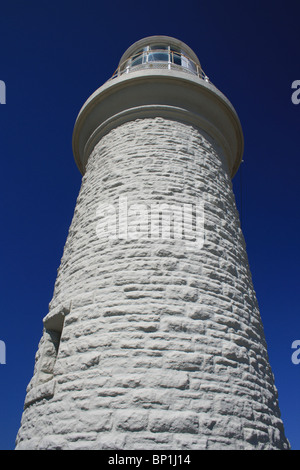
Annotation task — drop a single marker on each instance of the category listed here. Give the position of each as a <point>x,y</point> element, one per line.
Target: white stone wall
<point>162,345</point>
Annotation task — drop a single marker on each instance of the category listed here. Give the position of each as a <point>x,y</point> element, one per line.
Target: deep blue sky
<point>53,55</point>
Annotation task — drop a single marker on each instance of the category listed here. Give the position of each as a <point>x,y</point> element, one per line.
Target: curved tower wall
<point>153,339</point>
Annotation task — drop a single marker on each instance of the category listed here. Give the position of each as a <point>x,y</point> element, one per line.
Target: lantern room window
<point>160,56</point>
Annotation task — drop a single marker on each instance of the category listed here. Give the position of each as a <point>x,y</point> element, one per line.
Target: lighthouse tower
<point>153,339</point>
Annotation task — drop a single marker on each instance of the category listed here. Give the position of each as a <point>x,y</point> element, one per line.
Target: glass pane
<point>192,66</point>
<point>137,59</point>
<point>158,47</point>
<point>158,57</point>
<point>184,61</point>
<point>177,59</point>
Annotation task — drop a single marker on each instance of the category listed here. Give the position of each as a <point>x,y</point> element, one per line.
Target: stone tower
<point>153,339</point>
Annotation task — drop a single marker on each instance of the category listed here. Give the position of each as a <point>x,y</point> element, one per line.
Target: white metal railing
<point>161,59</point>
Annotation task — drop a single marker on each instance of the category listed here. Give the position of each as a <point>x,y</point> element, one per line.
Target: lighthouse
<point>153,338</point>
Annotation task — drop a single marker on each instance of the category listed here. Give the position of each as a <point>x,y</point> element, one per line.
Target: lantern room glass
<point>160,55</point>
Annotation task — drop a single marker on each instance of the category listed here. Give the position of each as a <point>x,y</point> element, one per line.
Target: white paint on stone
<point>162,347</point>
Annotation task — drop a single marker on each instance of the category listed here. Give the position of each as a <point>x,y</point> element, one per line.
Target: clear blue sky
<point>53,55</point>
